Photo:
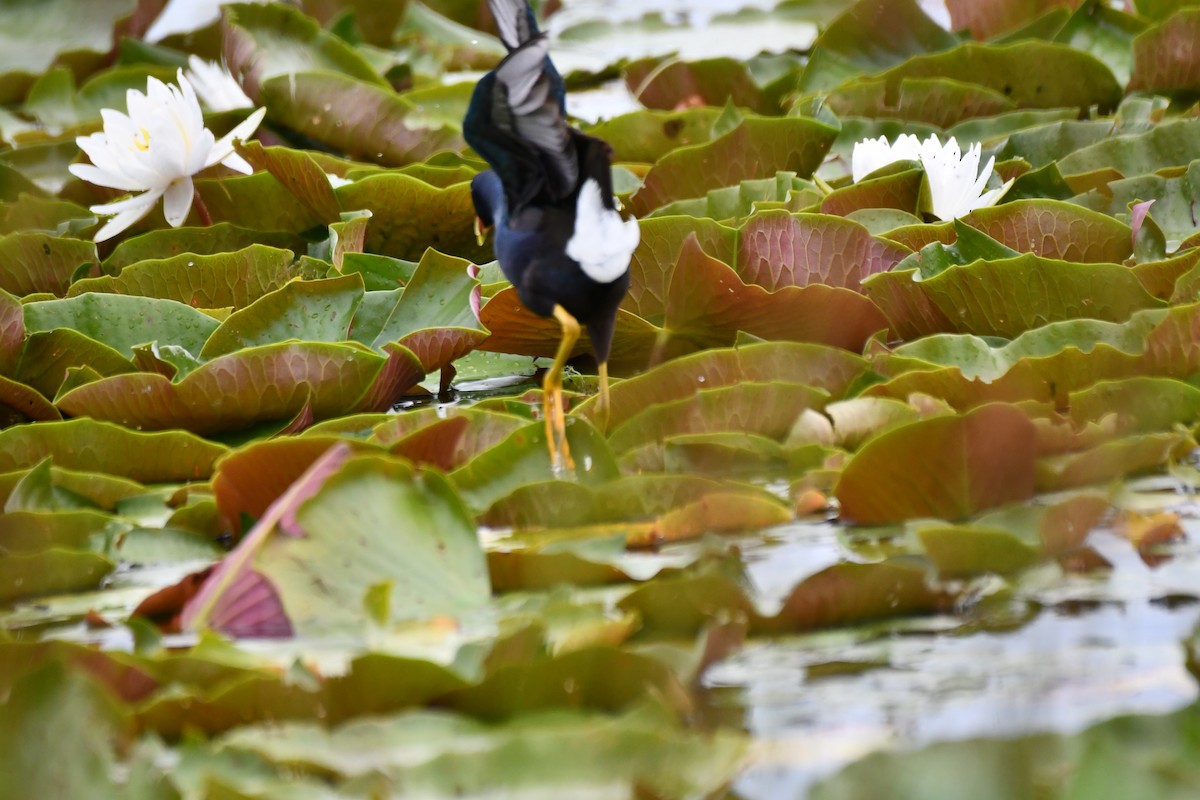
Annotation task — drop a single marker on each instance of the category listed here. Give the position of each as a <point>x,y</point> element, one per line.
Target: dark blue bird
<point>559,237</point>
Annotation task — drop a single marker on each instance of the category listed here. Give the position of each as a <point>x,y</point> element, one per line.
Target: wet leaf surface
<point>279,515</point>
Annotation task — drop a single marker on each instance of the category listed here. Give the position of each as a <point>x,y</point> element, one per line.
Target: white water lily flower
<point>185,16</point>
<point>216,88</point>
<point>155,150</point>
<point>956,184</point>
<point>872,154</point>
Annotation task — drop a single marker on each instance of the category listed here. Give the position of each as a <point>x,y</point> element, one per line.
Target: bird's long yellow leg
<point>552,394</point>
<point>602,405</point>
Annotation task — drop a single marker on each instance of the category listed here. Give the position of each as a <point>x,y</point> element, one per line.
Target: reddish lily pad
<point>269,382</point>
<point>707,304</point>
<point>12,332</point>
<point>364,121</point>
<point>299,172</point>
<point>900,191</point>
<point>450,442</point>
<point>1165,58</point>
<point>756,148</point>
<point>50,358</point>
<point>516,329</point>
<point>672,84</point>
<point>20,403</point>
<point>946,467</point>
<point>653,262</point>
<point>987,20</point>
<point>1047,228</point>
<point>779,249</point>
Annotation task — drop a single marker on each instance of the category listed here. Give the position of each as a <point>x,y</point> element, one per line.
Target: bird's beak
<point>480,231</point>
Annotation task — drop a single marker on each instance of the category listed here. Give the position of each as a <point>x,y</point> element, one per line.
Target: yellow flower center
<point>141,139</point>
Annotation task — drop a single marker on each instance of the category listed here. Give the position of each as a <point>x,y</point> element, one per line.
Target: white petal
<point>177,201</point>
<point>183,16</point>
<point>100,177</point>
<point>988,199</point>
<point>237,164</point>
<point>216,88</point>
<point>127,213</point>
<point>224,146</point>
<point>937,11</point>
<point>145,200</point>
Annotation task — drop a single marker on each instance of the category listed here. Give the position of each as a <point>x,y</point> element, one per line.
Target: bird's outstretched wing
<point>515,21</point>
<point>516,122</point>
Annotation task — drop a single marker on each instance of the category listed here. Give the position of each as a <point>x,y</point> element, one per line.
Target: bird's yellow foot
<point>552,396</point>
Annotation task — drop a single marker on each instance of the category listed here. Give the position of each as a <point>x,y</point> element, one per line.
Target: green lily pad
<point>1010,296</point>
<point>93,446</point>
<point>123,321</point>
<point>314,311</point>
<point>410,215</point>
<point>648,135</point>
<point>39,262</point>
<point>57,707</point>
<point>265,42</point>
<point>55,570</point>
<point>869,39</point>
<point>220,280</point>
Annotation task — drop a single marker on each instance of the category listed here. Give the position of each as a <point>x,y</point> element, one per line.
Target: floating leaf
<point>778,249</point>
<point>756,148</point>
<point>870,38</point>
<point>92,446</point>
<point>647,135</point>
<point>38,262</point>
<point>263,42</point>
<point>314,311</point>
<point>369,508</point>
<point>55,570</point>
<point>947,467</point>
<point>410,215</point>
<point>362,120</point>
<point>220,280</point>
<point>1165,58</point>
<point>269,382</point>
<point>59,708</point>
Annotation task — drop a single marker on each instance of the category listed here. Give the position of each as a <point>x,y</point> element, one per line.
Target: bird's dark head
<point>487,193</point>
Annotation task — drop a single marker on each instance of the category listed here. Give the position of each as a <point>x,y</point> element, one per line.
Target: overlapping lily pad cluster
<point>232,569</point>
